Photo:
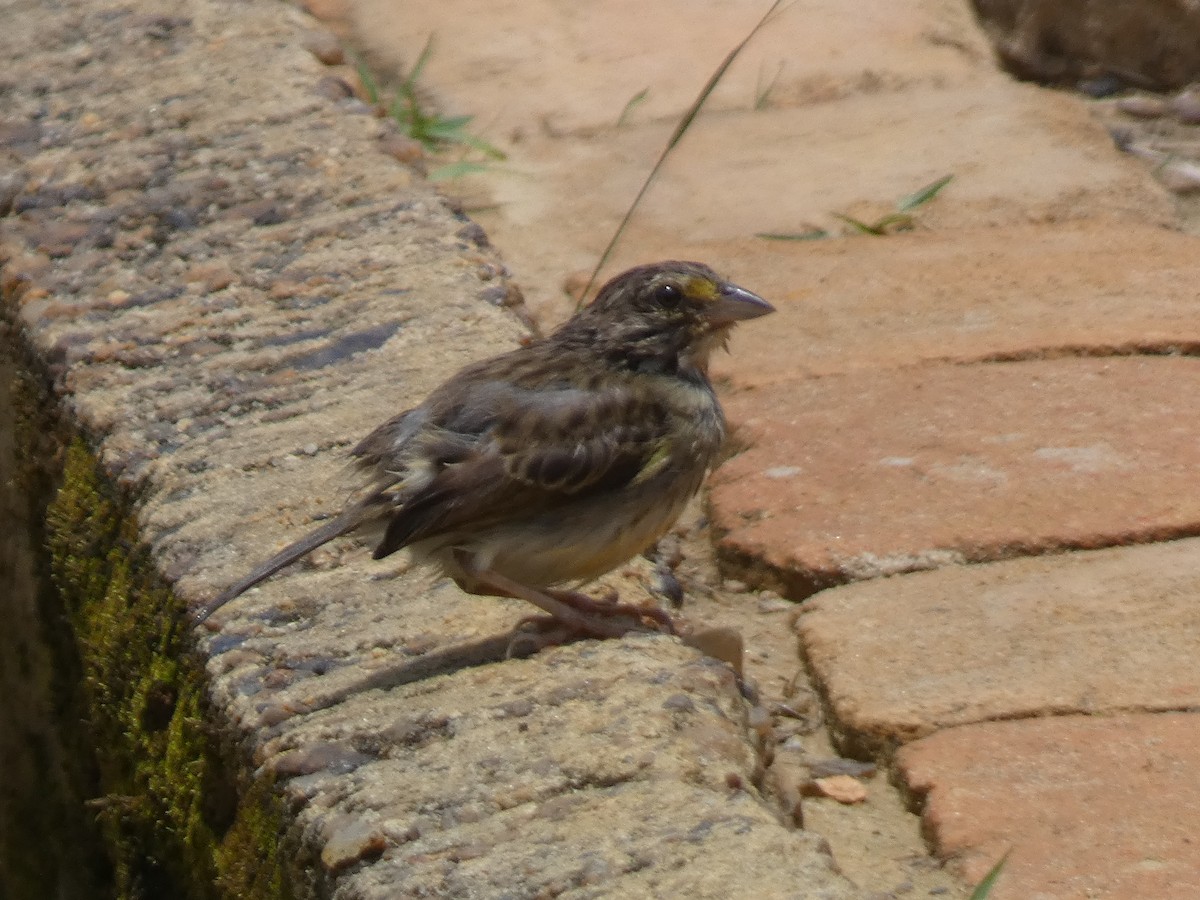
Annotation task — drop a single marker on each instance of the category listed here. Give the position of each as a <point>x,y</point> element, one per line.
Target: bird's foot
<point>535,633</point>
<point>609,607</point>
<point>574,610</point>
<point>608,620</point>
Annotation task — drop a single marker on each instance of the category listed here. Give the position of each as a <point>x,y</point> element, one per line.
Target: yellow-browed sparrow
<point>558,461</point>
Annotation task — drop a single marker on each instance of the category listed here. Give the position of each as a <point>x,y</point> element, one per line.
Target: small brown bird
<point>558,461</point>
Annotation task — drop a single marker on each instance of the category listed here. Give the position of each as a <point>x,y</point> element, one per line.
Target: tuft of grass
<point>438,134</point>
<point>903,219</point>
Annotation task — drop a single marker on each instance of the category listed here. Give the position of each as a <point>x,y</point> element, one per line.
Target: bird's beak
<point>733,304</point>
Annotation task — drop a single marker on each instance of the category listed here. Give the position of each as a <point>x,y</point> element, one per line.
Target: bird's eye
<point>668,295</point>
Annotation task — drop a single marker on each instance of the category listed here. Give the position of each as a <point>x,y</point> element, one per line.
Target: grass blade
<point>984,888</point>
<point>901,221</point>
<point>369,85</point>
<point>456,170</point>
<point>676,136</point>
<point>414,74</point>
<point>453,123</point>
<point>924,195</point>
<point>634,102</point>
<point>813,234</point>
<point>478,143</point>
<point>860,226</point>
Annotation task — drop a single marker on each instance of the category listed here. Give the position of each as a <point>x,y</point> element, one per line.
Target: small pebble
<point>842,788</point>
<point>402,149</point>
<point>1142,106</point>
<point>1186,106</point>
<point>679,703</point>
<point>350,844</point>
<point>325,46</point>
<point>333,88</point>
<point>323,755</point>
<point>771,602</point>
<point>1180,176</point>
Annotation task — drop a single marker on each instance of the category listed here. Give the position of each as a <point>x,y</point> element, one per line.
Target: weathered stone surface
<point>1097,633</point>
<point>619,841</point>
<point>565,771</point>
<point>1095,807</point>
<point>873,473</point>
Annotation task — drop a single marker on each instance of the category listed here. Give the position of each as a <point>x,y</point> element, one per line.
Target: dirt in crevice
<point>877,843</point>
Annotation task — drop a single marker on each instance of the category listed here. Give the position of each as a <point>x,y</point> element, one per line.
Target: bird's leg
<point>605,625</point>
<point>610,607</point>
<point>588,617</point>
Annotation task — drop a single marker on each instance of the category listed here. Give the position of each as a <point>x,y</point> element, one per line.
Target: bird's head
<point>667,316</point>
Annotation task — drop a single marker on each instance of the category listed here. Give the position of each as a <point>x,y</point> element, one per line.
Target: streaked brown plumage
<point>558,461</point>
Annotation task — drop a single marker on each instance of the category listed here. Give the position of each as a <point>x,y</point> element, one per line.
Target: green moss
<point>262,872</point>
<point>170,814</point>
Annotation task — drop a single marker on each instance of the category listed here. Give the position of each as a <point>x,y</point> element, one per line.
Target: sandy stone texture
<point>568,773</point>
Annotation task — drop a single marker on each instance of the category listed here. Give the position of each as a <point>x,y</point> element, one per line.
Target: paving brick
<point>1090,807</point>
<point>1098,633</point>
<point>1029,291</point>
<point>877,472</point>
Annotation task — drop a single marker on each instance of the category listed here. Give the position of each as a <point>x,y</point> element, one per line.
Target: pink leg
<point>609,607</point>
<point>572,609</point>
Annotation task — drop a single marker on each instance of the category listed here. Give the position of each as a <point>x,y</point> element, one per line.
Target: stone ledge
<point>226,284</point>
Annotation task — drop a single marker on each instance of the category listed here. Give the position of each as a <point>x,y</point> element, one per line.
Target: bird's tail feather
<point>347,521</point>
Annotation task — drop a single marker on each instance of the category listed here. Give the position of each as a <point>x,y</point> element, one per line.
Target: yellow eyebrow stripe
<point>700,288</point>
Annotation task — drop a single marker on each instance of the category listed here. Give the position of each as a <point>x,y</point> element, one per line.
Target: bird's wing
<point>509,451</point>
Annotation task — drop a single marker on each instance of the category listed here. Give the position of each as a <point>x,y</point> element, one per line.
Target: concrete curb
<point>225,283</point>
